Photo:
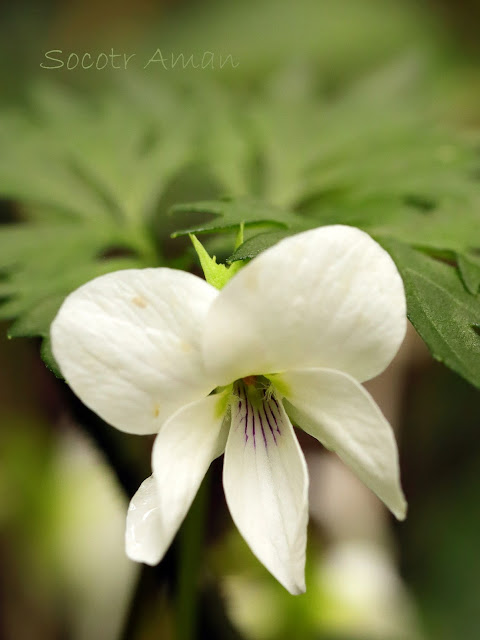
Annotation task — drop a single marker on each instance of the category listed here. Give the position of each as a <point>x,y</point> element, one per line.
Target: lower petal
<point>182,453</point>
<point>266,486</point>
<point>334,408</point>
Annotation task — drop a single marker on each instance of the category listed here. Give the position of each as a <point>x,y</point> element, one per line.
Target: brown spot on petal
<point>140,302</point>
<point>156,411</point>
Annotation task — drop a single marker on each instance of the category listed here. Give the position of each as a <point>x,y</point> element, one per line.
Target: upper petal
<point>266,487</point>
<point>182,453</point>
<point>129,345</point>
<point>330,297</point>
<point>334,408</point>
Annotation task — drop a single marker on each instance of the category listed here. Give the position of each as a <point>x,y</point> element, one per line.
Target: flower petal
<point>334,408</point>
<point>128,343</point>
<point>182,453</point>
<point>330,297</point>
<point>266,485</point>
<point>143,533</point>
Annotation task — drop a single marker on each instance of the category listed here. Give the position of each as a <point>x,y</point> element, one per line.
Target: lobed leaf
<point>440,308</point>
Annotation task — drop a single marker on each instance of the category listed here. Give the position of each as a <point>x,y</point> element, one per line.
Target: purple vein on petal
<point>269,423</point>
<point>272,414</point>
<point>263,430</point>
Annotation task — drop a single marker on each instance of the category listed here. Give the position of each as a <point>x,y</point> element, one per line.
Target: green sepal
<point>215,274</point>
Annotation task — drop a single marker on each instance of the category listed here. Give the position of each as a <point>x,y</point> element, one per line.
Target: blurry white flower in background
<point>87,521</point>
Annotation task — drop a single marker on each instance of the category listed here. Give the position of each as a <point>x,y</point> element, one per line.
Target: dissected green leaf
<point>368,156</point>
<point>258,243</point>
<point>399,173</point>
<point>36,319</point>
<point>118,152</point>
<point>230,213</point>
<point>443,312</point>
<point>469,267</point>
<point>88,176</point>
<point>416,182</point>
<point>48,357</point>
<point>40,264</point>
<point>222,143</point>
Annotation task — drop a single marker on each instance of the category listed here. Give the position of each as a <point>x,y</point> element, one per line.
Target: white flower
<point>291,336</point>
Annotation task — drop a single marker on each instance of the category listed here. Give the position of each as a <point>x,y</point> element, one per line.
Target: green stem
<point>190,546</point>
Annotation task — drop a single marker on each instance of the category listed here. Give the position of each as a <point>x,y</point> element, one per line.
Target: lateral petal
<point>330,297</point>
<point>182,453</point>
<point>266,485</point>
<point>334,408</point>
<point>144,525</point>
<point>129,345</point>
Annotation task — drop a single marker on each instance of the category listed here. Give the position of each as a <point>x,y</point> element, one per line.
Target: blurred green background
<point>82,140</point>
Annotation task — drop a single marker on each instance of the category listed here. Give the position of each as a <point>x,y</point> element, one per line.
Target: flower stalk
<point>191,543</point>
